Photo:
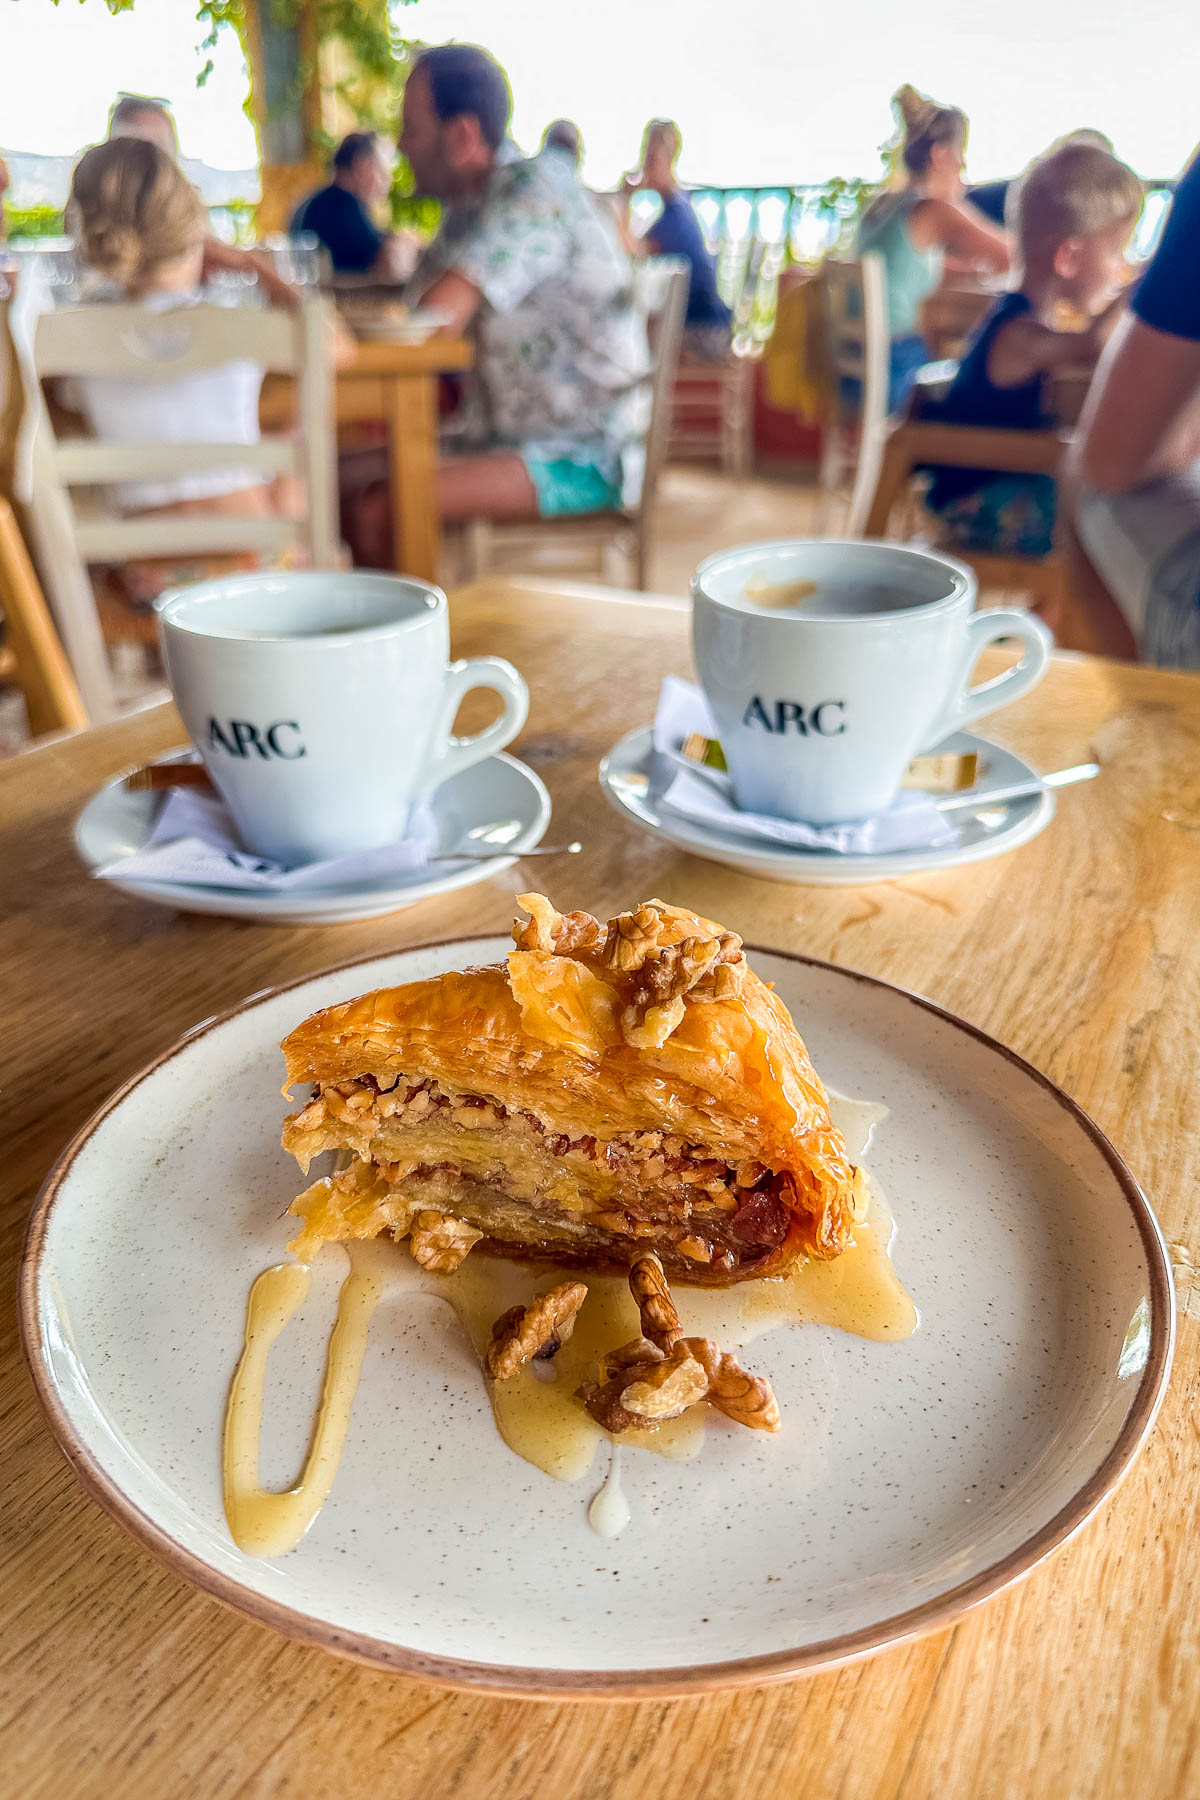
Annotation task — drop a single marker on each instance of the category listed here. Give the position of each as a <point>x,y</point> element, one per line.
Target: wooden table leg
<point>412,455</point>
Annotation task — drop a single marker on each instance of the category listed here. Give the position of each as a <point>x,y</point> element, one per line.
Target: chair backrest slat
<point>82,461</point>
<point>662,292</point>
<point>854,296</point>
<point>113,539</point>
<point>133,342</point>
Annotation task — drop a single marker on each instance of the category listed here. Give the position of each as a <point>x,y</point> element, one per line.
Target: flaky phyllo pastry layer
<point>610,1089</point>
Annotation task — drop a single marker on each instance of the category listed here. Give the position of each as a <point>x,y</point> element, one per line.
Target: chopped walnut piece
<point>746,1399</point>
<point>309,1117</point>
<point>668,1387</point>
<point>657,1003</point>
<point>603,1402</point>
<point>723,982</point>
<point>564,934</point>
<point>632,937</point>
<point>638,1351</point>
<point>648,1285</point>
<point>663,951</point>
<point>440,1243</point>
<point>538,1330</point>
<point>659,1375</point>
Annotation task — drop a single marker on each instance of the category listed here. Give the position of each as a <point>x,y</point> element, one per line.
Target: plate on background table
<point>377,325</point>
<point>910,1481</point>
<point>625,777</point>
<point>499,793</point>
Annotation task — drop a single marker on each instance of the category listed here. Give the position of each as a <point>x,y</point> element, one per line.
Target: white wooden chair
<point>660,289</point>
<point>713,403</point>
<point>854,298</point>
<point>70,529</point>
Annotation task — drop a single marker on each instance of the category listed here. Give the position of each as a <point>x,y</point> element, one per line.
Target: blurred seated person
<point>339,214</point>
<point>1137,455</point>
<point>138,221</point>
<point>916,226</point>
<point>562,139</point>
<point>138,116</point>
<point>708,323</point>
<point>1072,216</point>
<point>556,406</point>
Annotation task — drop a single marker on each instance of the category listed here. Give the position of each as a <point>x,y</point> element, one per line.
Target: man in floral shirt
<point>557,406</point>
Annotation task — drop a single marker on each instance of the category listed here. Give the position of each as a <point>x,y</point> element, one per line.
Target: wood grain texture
<point>1079,950</point>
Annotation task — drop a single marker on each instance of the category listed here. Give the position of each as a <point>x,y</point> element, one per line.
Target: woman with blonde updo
<point>138,222</point>
<point>920,219</point>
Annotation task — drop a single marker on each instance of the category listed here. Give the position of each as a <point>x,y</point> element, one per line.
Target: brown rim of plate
<point>609,1684</point>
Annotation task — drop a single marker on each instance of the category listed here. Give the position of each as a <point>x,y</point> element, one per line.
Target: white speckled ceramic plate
<point>498,800</point>
<point>911,1480</point>
<point>625,776</point>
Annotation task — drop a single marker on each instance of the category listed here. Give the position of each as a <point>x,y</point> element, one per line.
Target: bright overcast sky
<point>765,90</point>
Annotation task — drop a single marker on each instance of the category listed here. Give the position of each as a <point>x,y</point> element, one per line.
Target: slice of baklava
<point>611,1089</point>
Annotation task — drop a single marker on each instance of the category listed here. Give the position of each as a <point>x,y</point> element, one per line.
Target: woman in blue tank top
<point>915,226</point>
<point>708,323</point>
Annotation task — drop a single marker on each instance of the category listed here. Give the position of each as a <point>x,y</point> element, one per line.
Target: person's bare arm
<point>1142,417</point>
<point>456,298</point>
<point>218,255</point>
<point>962,232</point>
<point>397,256</point>
<point>1026,348</point>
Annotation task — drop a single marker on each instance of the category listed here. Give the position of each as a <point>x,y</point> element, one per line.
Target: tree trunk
<point>285,100</point>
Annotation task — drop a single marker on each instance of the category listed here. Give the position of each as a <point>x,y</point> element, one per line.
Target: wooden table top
<point>380,356</point>
<point>1079,950</point>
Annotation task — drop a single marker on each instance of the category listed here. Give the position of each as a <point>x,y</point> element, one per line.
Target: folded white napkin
<point>912,822</point>
<point>194,843</point>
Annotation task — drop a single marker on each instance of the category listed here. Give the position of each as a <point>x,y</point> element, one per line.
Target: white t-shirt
<point>217,406</point>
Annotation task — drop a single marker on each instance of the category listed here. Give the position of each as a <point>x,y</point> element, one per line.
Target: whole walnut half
<point>538,1330</point>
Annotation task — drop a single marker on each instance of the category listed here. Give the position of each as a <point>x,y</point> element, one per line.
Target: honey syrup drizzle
<point>535,1411</point>
<point>263,1523</point>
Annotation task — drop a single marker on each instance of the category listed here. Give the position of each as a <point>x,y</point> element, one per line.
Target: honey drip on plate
<point>536,1411</point>
<point>264,1523</point>
<point>609,1512</point>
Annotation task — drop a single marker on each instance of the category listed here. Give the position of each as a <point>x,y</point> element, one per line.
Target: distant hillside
<point>45,180</point>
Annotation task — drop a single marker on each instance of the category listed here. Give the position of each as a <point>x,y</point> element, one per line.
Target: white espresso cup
<point>829,665</point>
<point>323,704</point>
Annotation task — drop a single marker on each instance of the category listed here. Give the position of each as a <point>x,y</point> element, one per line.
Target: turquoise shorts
<point>565,486</point>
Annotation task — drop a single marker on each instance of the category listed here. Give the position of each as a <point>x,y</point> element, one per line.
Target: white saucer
<point>495,794</point>
<point>625,777</point>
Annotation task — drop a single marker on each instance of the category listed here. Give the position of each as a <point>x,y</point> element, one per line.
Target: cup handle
<point>971,703</point>
<point>450,755</point>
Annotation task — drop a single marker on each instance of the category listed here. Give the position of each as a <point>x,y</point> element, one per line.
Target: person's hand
<point>278,291</point>
<point>397,256</point>
<point>218,255</point>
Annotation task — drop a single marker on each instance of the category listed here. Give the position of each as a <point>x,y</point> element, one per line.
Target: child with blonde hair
<point>1072,214</point>
<point>138,222</point>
